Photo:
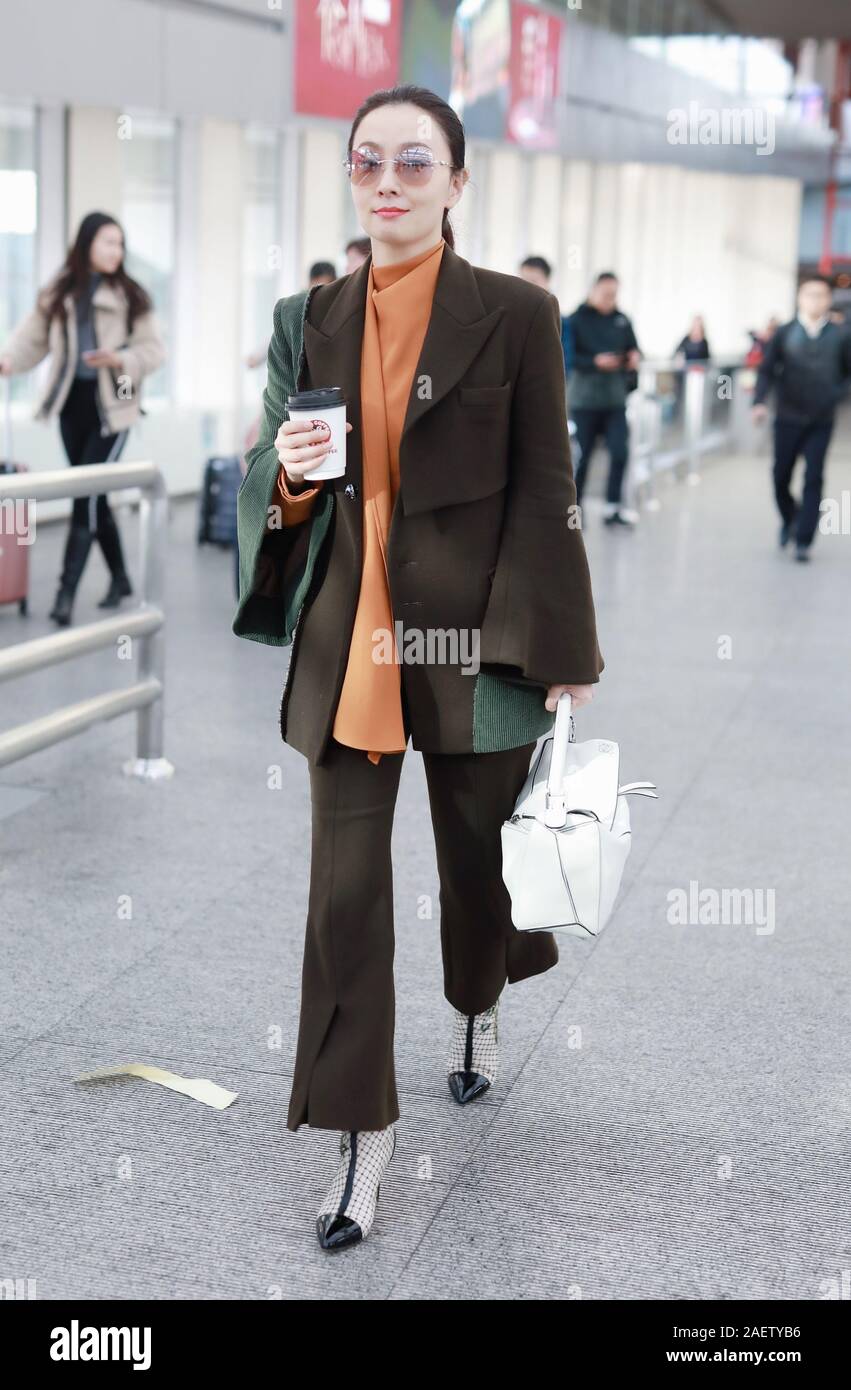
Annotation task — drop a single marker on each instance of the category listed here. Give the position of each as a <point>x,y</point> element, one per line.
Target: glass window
<point>769,77</point>
<point>714,58</point>
<point>261,249</point>
<point>148,212</point>
<point>18,216</point>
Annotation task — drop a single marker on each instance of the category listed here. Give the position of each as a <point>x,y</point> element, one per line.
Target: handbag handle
<point>556,801</point>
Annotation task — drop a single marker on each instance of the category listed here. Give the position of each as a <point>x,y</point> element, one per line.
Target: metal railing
<point>682,412</point>
<point>143,624</point>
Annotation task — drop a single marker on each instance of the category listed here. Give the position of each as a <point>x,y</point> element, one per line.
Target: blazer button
<point>351,490</point>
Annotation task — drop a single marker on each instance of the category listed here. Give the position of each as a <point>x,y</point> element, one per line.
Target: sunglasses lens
<point>362,169</point>
<point>413,169</point>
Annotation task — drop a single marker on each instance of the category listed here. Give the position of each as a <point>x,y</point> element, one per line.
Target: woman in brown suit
<point>455,524</point>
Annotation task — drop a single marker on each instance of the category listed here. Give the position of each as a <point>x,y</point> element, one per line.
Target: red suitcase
<point>14,523</point>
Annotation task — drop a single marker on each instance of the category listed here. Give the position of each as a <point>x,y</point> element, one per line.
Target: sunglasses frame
<point>396,160</point>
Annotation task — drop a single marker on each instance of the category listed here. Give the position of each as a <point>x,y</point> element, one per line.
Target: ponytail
<point>446,229</point>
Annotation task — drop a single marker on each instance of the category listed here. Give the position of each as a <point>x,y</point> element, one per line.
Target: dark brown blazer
<point>483,535</point>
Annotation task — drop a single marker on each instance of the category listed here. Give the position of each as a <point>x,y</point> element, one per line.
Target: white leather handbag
<point>566,844</point>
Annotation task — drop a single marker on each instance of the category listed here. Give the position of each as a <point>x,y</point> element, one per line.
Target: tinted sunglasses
<point>413,166</point>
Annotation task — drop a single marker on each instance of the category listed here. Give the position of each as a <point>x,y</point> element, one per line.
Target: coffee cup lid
<point>322,398</point>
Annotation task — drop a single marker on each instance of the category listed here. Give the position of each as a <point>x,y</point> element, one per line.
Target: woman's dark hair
<point>74,274</point>
<point>440,110</point>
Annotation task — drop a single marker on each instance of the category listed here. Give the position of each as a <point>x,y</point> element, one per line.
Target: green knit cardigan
<point>507,711</point>
<point>261,616</point>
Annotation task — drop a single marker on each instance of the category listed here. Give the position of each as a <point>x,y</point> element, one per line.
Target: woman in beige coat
<point>98,325</point>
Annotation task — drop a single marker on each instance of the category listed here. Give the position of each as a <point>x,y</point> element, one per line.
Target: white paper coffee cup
<point>324,406</point>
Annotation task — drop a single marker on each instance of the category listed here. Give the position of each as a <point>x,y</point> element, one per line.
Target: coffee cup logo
<point>323,425</point>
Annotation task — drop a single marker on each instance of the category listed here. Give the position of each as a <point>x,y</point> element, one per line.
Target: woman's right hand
<point>5,366</point>
<point>300,449</point>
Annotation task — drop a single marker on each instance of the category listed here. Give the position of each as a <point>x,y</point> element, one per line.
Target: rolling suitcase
<point>14,522</point>
<point>217,519</point>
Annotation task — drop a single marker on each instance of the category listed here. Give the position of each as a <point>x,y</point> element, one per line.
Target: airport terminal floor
<point>670,1119</point>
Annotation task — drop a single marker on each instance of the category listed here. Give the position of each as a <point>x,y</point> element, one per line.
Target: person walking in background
<point>321,273</point>
<point>605,356</point>
<point>357,251</point>
<point>538,271</point>
<point>760,341</point>
<point>694,347</point>
<point>808,364</point>
<point>98,325</point>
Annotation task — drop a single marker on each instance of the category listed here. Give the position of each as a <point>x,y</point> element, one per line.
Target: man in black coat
<point>605,354</point>
<point>808,362</point>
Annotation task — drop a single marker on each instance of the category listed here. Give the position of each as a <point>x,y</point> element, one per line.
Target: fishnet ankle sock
<point>475,1043</point>
<point>364,1156</point>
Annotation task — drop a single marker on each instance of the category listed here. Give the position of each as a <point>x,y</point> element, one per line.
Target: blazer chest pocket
<point>479,458</point>
<point>490,397</point>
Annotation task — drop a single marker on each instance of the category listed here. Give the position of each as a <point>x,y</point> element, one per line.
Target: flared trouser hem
<point>344,1073</point>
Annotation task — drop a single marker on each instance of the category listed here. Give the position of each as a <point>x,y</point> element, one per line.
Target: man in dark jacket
<point>808,362</point>
<point>604,353</point>
<point>538,271</point>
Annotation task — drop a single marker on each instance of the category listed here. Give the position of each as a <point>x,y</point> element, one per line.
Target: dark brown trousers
<point>344,1075</point>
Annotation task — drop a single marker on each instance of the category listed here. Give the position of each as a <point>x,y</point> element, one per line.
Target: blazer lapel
<point>458,329</point>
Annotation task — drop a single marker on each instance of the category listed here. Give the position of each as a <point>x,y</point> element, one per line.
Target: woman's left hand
<point>580,695</point>
<point>102,357</point>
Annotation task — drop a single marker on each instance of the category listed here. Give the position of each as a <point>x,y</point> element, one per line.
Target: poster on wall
<point>343,51</point>
<point>427,44</point>
<point>536,35</point>
<point>503,64</point>
<point>480,65</point>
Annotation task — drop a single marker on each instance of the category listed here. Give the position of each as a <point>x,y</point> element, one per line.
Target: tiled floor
<point>672,1114</point>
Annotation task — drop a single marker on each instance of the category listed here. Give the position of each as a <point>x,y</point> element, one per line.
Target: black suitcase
<point>217,518</point>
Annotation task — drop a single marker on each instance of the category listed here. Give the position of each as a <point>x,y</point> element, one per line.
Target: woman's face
<point>386,132</point>
<point>107,249</point>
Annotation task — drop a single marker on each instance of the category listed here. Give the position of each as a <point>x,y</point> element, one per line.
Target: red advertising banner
<point>535,46</point>
<point>343,51</point>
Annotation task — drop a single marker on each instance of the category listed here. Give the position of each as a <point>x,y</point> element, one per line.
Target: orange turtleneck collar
<point>385,275</point>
